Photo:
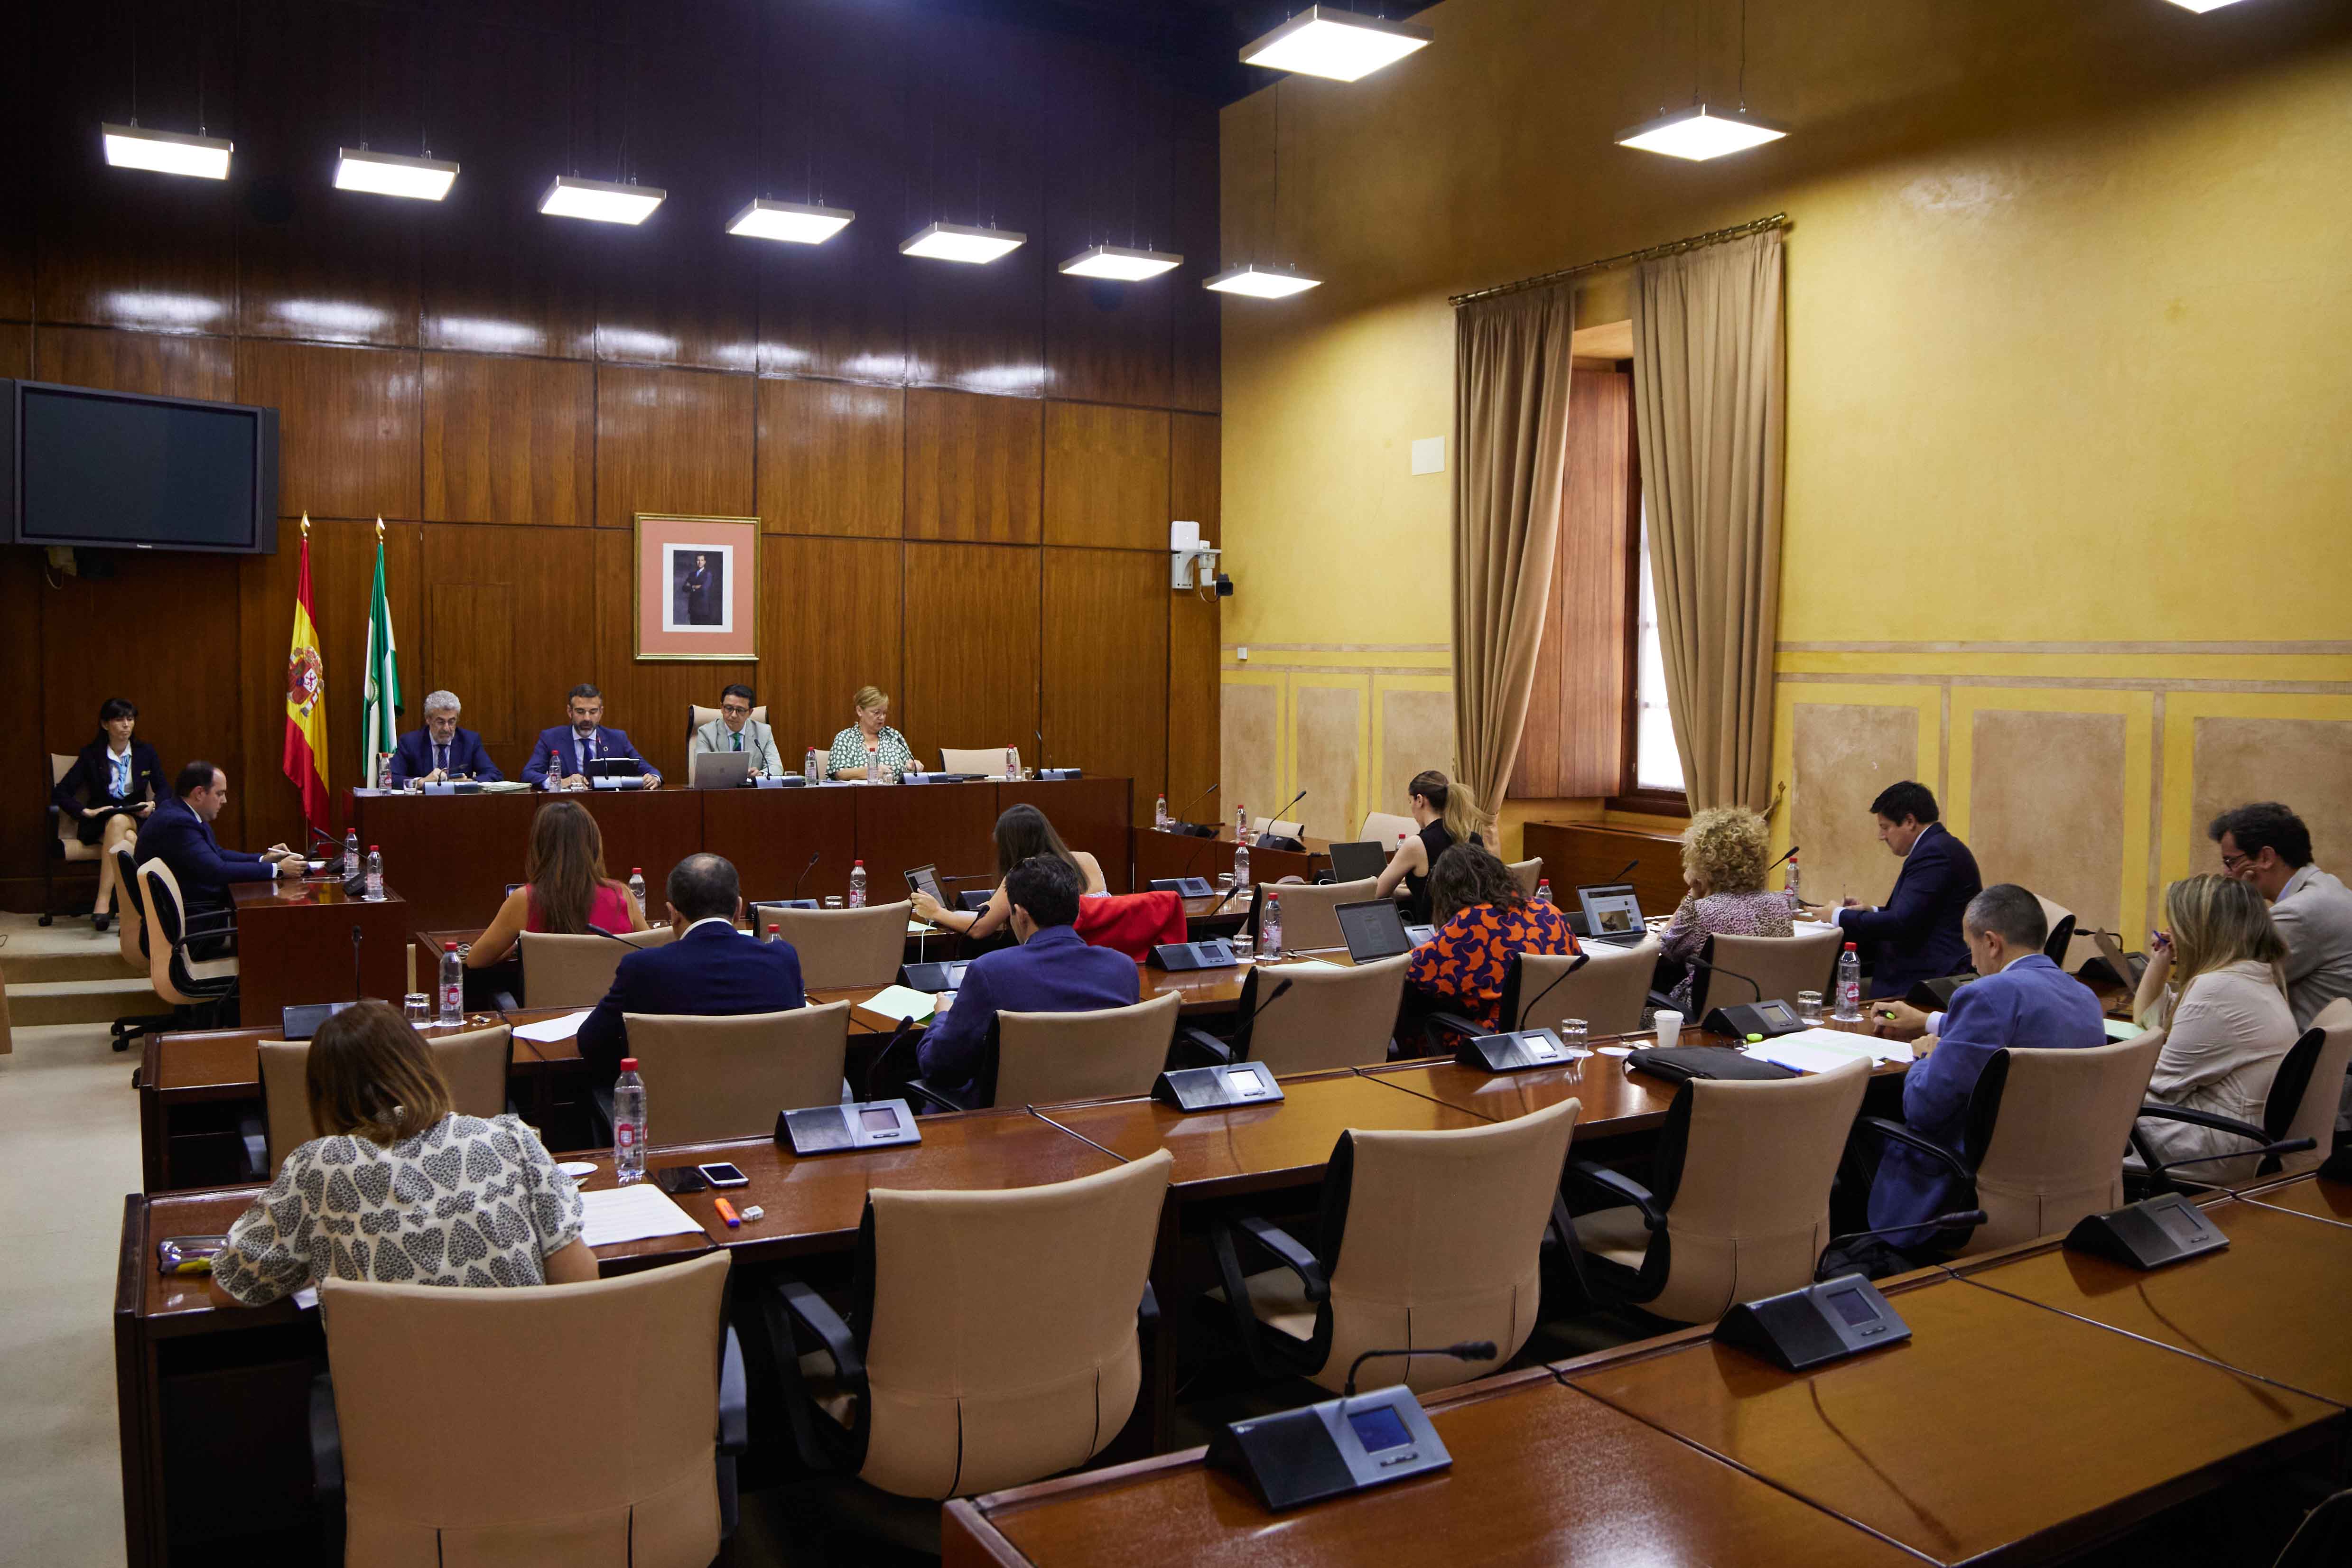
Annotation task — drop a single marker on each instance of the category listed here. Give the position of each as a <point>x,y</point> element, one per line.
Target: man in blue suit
<point>1915,934</point>
<point>1051,971</point>
<point>179,832</point>
<point>2025,1000</point>
<point>564,752</point>
<point>710,971</point>
<point>440,750</point>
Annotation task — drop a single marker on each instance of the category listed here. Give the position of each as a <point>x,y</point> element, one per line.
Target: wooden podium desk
<point>1579,854</point>
<point>1541,1474</point>
<point>2001,1432</point>
<point>294,945</point>
<point>1163,854</point>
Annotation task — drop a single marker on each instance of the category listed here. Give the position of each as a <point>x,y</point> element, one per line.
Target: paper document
<point>631,1213</point>
<point>901,1003</point>
<point>1818,1049</point>
<point>2123,1028</point>
<point>549,1030</point>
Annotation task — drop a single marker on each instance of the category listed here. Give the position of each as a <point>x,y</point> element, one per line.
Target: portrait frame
<point>677,622</point>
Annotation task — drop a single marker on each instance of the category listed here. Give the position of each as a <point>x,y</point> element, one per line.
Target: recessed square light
<point>601,200</point>
<point>962,242</point>
<point>1699,134</point>
<point>1327,41</point>
<point>390,174</point>
<point>1118,262</point>
<point>167,151</point>
<point>1262,282</point>
<point>792,221</point>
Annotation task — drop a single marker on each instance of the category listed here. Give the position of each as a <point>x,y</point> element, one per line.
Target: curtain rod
<point>1672,247</point>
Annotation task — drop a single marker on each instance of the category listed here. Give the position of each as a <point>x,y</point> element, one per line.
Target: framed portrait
<point>698,588</point>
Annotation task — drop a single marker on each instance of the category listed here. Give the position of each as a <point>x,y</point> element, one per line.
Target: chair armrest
<point>1617,1184</point>
<point>326,1439</point>
<point>1454,1023</point>
<point>505,1002</point>
<point>207,923</point>
<point>734,1398</point>
<point>939,1099</point>
<point>1198,1047</point>
<point>1896,1132</point>
<point>814,1313</point>
<point>2220,1124</point>
<point>2264,1149</point>
<point>1288,1251</point>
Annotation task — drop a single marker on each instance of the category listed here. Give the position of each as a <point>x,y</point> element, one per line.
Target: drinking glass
<point>416,1007</point>
<point>1574,1036</point>
<point>833,902</point>
<point>1809,1007</point>
<point>1243,945</point>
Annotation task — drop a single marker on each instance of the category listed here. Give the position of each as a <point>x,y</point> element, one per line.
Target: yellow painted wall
<point>2070,421</point>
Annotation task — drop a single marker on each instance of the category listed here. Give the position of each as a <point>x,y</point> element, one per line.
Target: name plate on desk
<point>1215,954</point>
<point>1218,1087</point>
<point>1814,1326</point>
<point>1514,1052</point>
<point>861,1125</point>
<point>1183,886</point>
<point>2148,1234</point>
<point>1329,1449</point>
<point>454,786</point>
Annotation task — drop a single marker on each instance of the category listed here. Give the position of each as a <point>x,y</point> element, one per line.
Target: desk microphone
<point>1223,902</point>
<point>356,992</point>
<point>1621,870</point>
<point>1719,969</point>
<point>1184,818</point>
<point>975,877</point>
<point>1784,859</point>
<point>1468,1350</point>
<point>1279,840</point>
<point>1529,1011</point>
<point>1270,1001</point>
<point>813,856</point>
<point>1957,1216</point>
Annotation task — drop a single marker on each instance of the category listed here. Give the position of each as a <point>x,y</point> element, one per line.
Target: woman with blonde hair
<point>1448,814</point>
<point>1724,854</point>
<point>2215,984</point>
<point>398,1187</point>
<point>871,740</point>
<point>565,887</point>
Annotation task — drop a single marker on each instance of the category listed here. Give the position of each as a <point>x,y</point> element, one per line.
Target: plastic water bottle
<point>1241,865</point>
<point>874,766</point>
<point>1241,823</point>
<point>858,885</point>
<point>1269,926</point>
<point>453,985</point>
<point>1011,762</point>
<point>555,769</point>
<point>1789,883</point>
<point>376,872</point>
<point>1159,814</point>
<point>775,933</point>
<point>637,884</point>
<point>628,1123</point>
<point>1849,986</point>
<point>352,852</point>
<point>1543,890</point>
<point>808,768</point>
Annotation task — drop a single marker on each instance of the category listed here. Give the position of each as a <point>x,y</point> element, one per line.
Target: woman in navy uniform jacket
<point>108,791</point>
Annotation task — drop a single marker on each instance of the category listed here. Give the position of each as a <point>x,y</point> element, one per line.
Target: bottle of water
<point>874,766</point>
<point>352,852</point>
<point>858,885</point>
<point>775,933</point>
<point>1269,926</point>
<point>1241,823</point>
<point>453,985</point>
<point>1789,883</point>
<point>1241,865</point>
<point>1011,762</point>
<point>375,873</point>
<point>628,1123</point>
<point>808,768</point>
<point>637,884</point>
<point>1159,814</point>
<point>1543,890</point>
<point>555,769</point>
<point>1849,986</point>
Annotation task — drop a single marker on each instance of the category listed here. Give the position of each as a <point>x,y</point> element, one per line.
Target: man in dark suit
<point>441,750</point>
<point>2023,999</point>
<point>697,584</point>
<point>564,752</point>
<point>710,971</point>
<point>1051,971</point>
<point>180,834</point>
<point>1915,934</point>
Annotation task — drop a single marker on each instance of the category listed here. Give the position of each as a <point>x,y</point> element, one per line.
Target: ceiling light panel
<point>390,174</point>
<point>1116,261</point>
<point>600,200</point>
<point>167,151</point>
<point>1262,282</point>
<point>962,242</point>
<point>793,222</point>
<point>1327,41</point>
<point>1699,134</point>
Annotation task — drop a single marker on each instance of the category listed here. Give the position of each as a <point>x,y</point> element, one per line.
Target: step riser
<point>94,1007</point>
<point>102,963</point>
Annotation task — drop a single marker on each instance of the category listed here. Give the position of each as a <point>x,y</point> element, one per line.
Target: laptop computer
<point>926,879</point>
<point>1355,862</point>
<point>615,773</point>
<point>718,770</point>
<point>1612,912</point>
<point>1373,930</point>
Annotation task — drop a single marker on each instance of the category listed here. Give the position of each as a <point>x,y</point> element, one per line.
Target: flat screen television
<point>112,470</point>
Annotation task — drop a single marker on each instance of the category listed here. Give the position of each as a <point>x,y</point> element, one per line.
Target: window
<point>1657,764</point>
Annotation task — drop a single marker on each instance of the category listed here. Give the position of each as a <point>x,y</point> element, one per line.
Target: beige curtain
<point>1511,369</point>
<point>1708,401</point>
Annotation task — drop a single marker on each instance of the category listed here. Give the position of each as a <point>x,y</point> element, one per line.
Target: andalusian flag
<point>380,726</point>
<point>305,700</point>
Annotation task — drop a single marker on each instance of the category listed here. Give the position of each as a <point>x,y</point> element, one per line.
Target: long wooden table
<point>453,854</point>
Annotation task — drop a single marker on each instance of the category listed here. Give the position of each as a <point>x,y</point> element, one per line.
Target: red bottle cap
<point>448,947</point>
<point>628,1064</point>
<point>1849,946</point>
<point>636,871</point>
<point>371,849</point>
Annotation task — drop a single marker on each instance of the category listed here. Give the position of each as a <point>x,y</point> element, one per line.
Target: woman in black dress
<point>108,791</point>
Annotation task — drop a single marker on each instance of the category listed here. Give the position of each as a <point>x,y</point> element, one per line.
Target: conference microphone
<point>1273,840</point>
<point>1223,902</point>
<point>357,993</point>
<point>813,856</point>
<point>1468,1350</point>
<point>1182,822</point>
<point>975,877</point>
<point>1621,870</point>
<point>1528,1011</point>
<point>1784,859</point>
<point>1717,969</point>
<point>1269,1002</point>
<point>1957,1216</point>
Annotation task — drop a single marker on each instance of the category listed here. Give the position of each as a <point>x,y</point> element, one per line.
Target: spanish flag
<point>305,700</point>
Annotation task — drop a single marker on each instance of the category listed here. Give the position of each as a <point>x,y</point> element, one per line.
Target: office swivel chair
<point>564,970</point>
<point>2298,1116</point>
<point>1331,1017</point>
<point>717,1078</point>
<point>474,1065</point>
<point>131,941</point>
<point>64,845</point>
<point>842,946</point>
<point>1607,992</point>
<point>202,992</point>
<point>1527,873</point>
<point>988,762</point>
<point>2060,921</point>
<point>1308,918</point>
<point>1774,967</point>
<point>1051,1059</point>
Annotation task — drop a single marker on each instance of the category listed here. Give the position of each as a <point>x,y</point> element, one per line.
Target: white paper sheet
<point>549,1031</point>
<point>2120,1030</point>
<point>631,1213</point>
<point>901,1003</point>
<point>1818,1049</point>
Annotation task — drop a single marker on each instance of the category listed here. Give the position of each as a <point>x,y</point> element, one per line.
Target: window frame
<point>1632,796</point>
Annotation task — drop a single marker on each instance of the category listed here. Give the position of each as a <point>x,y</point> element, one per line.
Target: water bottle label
<point>624,1136</point>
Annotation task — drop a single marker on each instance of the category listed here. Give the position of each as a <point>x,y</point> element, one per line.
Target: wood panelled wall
<point>963,474</point>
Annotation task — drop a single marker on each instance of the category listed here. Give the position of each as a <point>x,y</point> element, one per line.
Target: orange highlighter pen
<point>726,1212</point>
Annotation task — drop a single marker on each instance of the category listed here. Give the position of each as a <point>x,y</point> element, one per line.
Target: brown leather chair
<point>547,1426</point>
<point>1110,1054</point>
<point>1779,967</point>
<point>1425,1238</point>
<point>1737,1204</point>
<point>1527,873</point>
<point>561,970</point>
<point>697,716</point>
<point>1332,1016</point>
<point>2043,1143</point>
<point>65,846</point>
<point>993,1337</point>
<point>988,762</point>
<point>842,946</point>
<point>131,942</point>
<point>202,992</point>
<point>1607,992</point>
<point>719,1078</point>
<point>2061,922</point>
<point>2302,1106</point>
<point>1381,828</point>
<point>1307,918</point>
<point>474,1065</point>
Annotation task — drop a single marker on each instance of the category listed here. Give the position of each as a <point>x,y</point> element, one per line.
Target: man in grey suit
<point>2267,847</point>
<point>735,730</point>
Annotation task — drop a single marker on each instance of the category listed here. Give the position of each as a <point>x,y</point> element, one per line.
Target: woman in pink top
<point>565,890</point>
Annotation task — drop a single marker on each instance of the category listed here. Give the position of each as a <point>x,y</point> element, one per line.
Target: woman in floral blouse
<point>870,739</point>
<point>1724,852</point>
<point>1482,919</point>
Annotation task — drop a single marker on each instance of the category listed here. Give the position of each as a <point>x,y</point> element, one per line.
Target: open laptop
<point>615,773</point>
<point>1355,862</point>
<point>925,879</point>
<point>718,770</point>
<point>1374,930</point>
<point>1611,913</point>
